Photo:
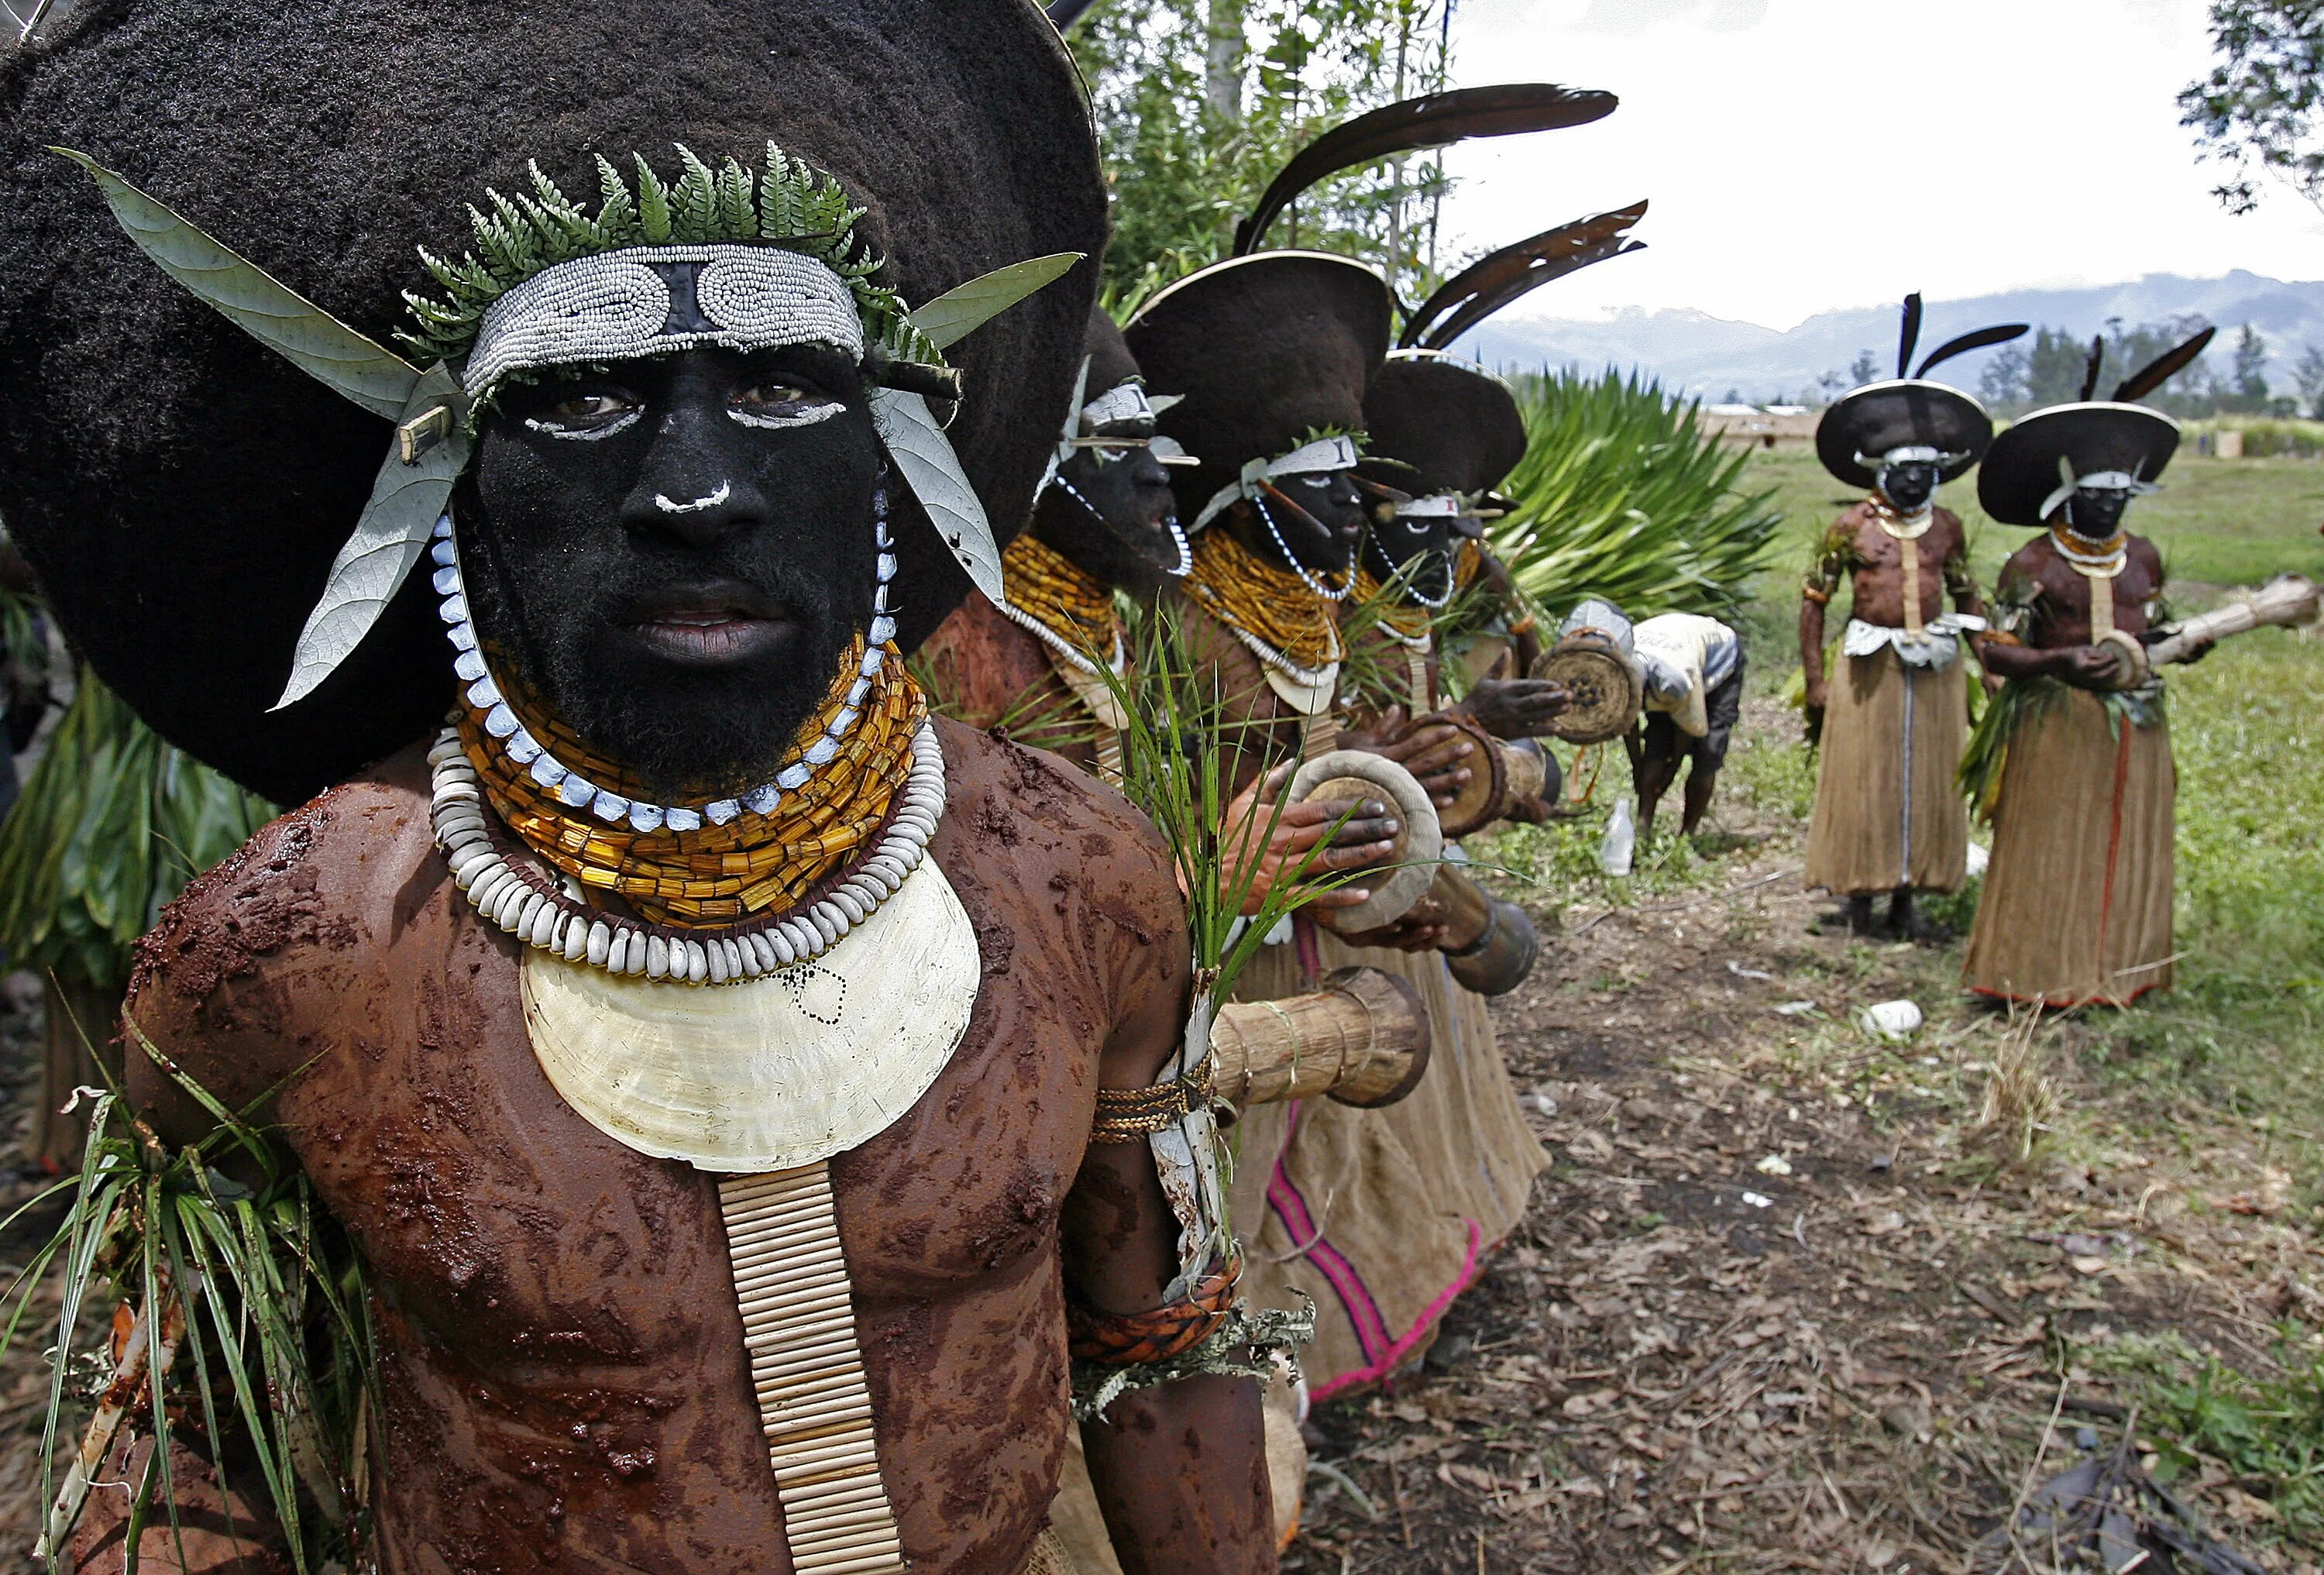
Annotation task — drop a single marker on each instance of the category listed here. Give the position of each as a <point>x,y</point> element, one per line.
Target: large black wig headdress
<point>184,491</point>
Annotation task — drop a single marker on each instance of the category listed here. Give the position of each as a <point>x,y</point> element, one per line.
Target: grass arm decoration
<point>243,1280</point>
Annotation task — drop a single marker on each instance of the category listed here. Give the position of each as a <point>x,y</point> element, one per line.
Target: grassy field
<point>2235,1052</point>
<point>2246,1022</point>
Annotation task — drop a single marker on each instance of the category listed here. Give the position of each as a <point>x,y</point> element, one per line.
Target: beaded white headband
<point>1325,454</point>
<point>1124,401</point>
<point>2097,481</point>
<point>654,300</point>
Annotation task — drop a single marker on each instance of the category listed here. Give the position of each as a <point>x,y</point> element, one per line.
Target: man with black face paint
<point>2073,759</point>
<point>1272,353</point>
<point>1894,718</point>
<point>1106,521</point>
<point>718,1062</point>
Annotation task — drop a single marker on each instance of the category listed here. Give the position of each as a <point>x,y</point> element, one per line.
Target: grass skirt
<point>1382,1216</point>
<point>2077,904</point>
<point>1887,813</point>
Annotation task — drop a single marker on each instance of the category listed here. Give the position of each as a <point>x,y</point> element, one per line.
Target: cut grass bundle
<point>2021,1100</point>
<point>1181,759</point>
<point>229,1259</point>
<point>1622,495</point>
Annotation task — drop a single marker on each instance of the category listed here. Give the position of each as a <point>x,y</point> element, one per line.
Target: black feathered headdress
<point>184,491</point>
<point>1269,351</point>
<point>1909,415</point>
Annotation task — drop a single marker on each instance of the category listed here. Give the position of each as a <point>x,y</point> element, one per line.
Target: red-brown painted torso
<point>562,1358</point>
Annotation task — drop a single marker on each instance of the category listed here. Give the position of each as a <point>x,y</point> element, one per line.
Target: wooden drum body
<point>1608,690</point>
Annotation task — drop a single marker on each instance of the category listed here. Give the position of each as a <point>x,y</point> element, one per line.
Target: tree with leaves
<point>2251,370</point>
<point>1198,104</point>
<point>2307,375</point>
<point>2256,111</point>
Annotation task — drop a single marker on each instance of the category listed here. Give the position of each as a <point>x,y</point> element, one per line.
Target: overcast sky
<point>1807,154</point>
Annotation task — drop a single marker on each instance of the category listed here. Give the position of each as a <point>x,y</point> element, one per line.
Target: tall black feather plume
<point>2145,381</point>
<point>2090,372</point>
<point>1910,339</point>
<point>1484,288</point>
<point>1999,334</point>
<point>1433,120</point>
<point>1065,13</point>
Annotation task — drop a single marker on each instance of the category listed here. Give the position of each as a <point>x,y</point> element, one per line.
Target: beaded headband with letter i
<point>716,257</point>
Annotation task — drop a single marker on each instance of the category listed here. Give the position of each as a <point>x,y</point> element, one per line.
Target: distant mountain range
<point>1699,355</point>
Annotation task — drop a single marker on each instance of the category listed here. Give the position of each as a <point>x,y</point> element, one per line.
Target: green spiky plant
<point>789,203</point>
<point>1183,758</point>
<point>1622,495</point>
<point>253,1304</point>
<point>111,826</point>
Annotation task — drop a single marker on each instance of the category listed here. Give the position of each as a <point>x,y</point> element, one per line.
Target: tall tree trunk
<point>1224,54</point>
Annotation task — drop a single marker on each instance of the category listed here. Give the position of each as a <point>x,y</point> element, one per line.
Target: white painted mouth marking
<point>724,491</point>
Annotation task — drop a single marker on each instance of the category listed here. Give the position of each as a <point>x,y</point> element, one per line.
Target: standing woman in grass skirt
<point>2074,768</point>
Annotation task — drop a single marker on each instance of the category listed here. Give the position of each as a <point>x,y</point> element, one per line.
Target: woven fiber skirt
<point>1887,813</point>
<point>1383,1216</point>
<point>2077,904</point>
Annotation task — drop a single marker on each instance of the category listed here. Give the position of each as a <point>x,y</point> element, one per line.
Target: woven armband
<point>1995,637</point>
<point>1812,591</point>
<point>1141,1339</point>
<point>1131,1115</point>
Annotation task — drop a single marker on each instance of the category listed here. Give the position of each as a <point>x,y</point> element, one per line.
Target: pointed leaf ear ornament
<point>432,443</point>
<point>916,439</point>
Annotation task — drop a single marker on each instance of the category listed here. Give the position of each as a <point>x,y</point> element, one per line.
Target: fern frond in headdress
<point>790,204</point>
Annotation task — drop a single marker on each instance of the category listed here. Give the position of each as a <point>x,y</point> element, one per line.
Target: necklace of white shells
<point>548,912</point>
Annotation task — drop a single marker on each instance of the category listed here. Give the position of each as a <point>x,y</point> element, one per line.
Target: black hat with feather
<point>1910,417</point>
<point>1272,349</point>
<point>1267,353</point>
<point>1441,425</point>
<point>1438,424</point>
<point>183,490</point>
<point>2042,459</point>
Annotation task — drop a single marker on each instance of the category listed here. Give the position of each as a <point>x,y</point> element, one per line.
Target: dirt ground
<point>1780,1306</point>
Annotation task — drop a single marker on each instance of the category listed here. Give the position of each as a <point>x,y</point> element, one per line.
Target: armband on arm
<point>1133,1115</point>
<point>1124,1339</point>
<point>1809,591</point>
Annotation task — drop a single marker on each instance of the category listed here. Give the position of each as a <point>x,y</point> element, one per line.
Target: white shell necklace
<point>514,894</point>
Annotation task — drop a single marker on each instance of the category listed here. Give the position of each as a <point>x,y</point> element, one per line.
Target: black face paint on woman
<point>1321,532</point>
<point>2096,512</point>
<point>673,554</point>
<point>1111,512</point>
<point>1909,487</point>
<point>1390,545</point>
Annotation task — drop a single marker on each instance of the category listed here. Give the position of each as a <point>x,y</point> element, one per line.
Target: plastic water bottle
<point>1621,839</point>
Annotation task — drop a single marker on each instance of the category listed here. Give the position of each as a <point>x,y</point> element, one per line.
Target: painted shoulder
<point>1002,791</point>
<point>324,877</point>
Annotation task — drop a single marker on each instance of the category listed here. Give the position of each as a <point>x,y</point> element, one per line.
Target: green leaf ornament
<point>269,311</point>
